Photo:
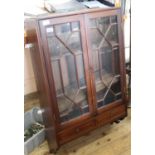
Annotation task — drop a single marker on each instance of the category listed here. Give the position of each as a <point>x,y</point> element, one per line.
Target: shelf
<point>107,79</point>
<point>114,44</point>
<point>65,54</point>
<point>66,103</point>
<point>101,89</point>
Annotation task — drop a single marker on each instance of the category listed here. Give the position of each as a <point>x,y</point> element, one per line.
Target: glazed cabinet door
<point>106,57</point>
<point>65,52</point>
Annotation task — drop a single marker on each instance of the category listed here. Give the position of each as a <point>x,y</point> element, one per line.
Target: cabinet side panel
<point>42,84</point>
<point>122,56</point>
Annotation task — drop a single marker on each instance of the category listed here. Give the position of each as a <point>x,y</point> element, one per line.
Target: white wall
<point>29,79</point>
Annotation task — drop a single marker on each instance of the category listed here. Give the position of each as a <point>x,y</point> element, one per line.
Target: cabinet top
<point>83,11</point>
<point>30,23</point>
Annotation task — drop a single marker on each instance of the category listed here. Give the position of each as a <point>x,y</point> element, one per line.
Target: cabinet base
<point>115,114</point>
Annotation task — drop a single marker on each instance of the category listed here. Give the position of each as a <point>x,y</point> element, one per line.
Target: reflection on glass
<point>112,35</point>
<point>113,19</point>
<point>105,57</point>
<point>64,42</point>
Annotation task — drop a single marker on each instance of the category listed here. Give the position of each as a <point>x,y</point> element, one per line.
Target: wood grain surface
<point>112,139</point>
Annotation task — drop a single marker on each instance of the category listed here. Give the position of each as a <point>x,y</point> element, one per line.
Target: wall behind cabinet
<point>29,79</point>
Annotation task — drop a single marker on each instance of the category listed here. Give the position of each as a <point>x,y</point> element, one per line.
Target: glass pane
<point>112,35</point>
<point>75,26</point>
<point>50,31</point>
<point>95,38</point>
<point>92,23</point>
<point>55,47</point>
<point>74,42</point>
<point>106,63</point>
<point>65,47</point>
<point>69,33</point>
<point>80,70</point>
<point>103,24</point>
<point>63,29</point>
<point>116,61</point>
<point>105,57</point>
<point>69,76</point>
<point>57,77</point>
<point>109,98</point>
<point>113,19</point>
<point>107,95</point>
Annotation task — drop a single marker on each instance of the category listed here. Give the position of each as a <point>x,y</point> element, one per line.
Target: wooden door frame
<point>117,13</point>
<point>60,20</point>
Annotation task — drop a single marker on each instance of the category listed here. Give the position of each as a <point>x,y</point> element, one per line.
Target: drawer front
<point>117,112</point>
<point>103,118</point>
<point>69,134</point>
<point>110,115</point>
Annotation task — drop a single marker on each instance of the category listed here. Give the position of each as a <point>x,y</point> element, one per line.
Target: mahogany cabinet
<point>78,59</point>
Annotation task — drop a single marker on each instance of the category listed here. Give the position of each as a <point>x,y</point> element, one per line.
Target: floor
<point>112,139</point>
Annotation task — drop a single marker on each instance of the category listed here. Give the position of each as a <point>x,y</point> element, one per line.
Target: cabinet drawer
<point>118,111</point>
<point>72,133</point>
<point>103,118</point>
